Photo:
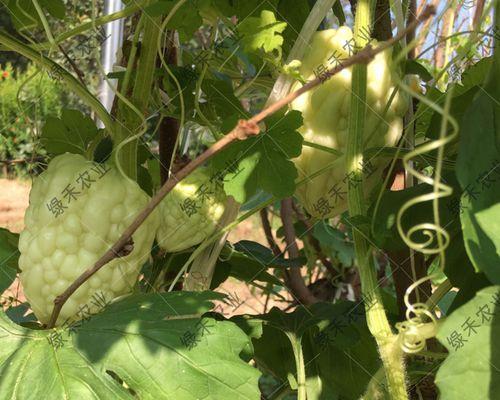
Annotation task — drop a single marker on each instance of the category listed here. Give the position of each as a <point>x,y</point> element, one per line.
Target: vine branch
<point>293,278</point>
<point>243,130</point>
<point>268,232</point>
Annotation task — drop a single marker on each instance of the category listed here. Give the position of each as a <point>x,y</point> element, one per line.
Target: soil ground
<point>242,299</point>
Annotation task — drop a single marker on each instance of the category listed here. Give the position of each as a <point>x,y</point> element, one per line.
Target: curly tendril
<point>416,329</point>
<point>436,238</point>
<point>421,323</point>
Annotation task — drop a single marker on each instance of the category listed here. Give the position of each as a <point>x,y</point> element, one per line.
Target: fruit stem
<point>390,350</point>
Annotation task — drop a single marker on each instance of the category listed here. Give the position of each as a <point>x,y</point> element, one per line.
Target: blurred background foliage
<point>28,96</point>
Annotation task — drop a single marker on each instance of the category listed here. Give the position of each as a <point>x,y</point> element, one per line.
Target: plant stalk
<point>144,77</point>
<point>378,324</point>
<point>300,366</point>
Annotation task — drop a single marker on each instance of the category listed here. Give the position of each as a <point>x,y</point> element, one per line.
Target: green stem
<point>131,9</point>
<point>389,348</point>
<point>300,366</point>
<point>72,83</point>
<point>326,149</point>
<point>131,60</point>
<point>45,24</point>
<point>141,94</point>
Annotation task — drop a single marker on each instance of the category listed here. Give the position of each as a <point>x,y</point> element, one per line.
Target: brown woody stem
<point>293,278</point>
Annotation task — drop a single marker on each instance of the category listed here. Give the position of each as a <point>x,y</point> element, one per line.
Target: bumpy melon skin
<point>184,225</point>
<point>326,112</point>
<point>56,249</point>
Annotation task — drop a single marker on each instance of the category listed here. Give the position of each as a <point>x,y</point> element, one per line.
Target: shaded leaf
<point>339,353</point>
<point>265,255</point>
<point>142,339</point>
<point>71,133</point>
<point>480,180</point>
<point>186,20</point>
<point>386,234</point>
<point>472,369</point>
<point>24,15</point>
<point>9,254</point>
<point>335,242</point>
<point>295,17</point>
<point>416,68</point>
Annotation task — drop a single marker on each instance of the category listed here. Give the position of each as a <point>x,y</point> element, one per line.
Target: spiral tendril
<point>414,331</point>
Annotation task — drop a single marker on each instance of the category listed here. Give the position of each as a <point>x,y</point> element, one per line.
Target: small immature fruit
<point>190,212</point>
<point>326,112</point>
<point>77,210</point>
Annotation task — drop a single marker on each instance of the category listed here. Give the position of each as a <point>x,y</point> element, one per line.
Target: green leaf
<point>338,11</point>
<point>186,20</point>
<point>429,121</point>
<point>263,162</point>
<point>339,353</point>
<point>56,8</point>
<point>71,133</point>
<point>244,267</point>
<point>458,267</point>
<point>140,340</point>
<point>335,242</point>
<point>262,34</point>
<point>474,75</point>
<point>246,8</point>
<point>265,255</point>
<point>9,254</point>
<point>472,336</point>
<point>24,15</point>
<point>479,178</point>
<point>416,68</point>
<point>295,17</point>
<point>211,10</point>
<point>221,101</point>
<point>459,105</point>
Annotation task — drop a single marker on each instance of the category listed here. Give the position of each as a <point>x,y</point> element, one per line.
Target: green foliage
<point>471,334</point>
<point>167,330</point>
<point>187,20</point>
<point>326,332</point>
<point>24,14</point>
<point>480,181</point>
<point>8,258</point>
<point>256,162</point>
<point>263,34</point>
<point>73,133</point>
<point>27,99</point>
<point>152,344</point>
